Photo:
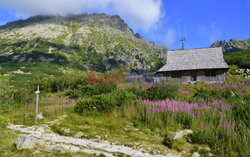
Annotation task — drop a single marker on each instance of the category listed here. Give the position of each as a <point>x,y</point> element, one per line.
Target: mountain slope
<point>240,58</point>
<point>233,45</point>
<point>94,42</point>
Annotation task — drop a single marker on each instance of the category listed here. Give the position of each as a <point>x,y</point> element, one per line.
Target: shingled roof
<point>192,59</point>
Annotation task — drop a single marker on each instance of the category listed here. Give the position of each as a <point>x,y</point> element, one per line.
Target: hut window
<point>159,75</point>
<point>176,75</point>
<point>210,74</point>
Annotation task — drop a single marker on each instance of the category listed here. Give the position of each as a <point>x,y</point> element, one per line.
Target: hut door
<point>193,77</point>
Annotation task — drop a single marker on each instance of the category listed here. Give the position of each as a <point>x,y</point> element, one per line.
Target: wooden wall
<point>201,75</point>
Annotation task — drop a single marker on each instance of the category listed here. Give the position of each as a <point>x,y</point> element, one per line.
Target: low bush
<point>3,121</point>
<point>233,70</point>
<point>104,102</point>
<point>10,97</point>
<point>207,94</point>
<point>161,92</point>
<point>53,84</point>
<point>90,90</point>
<point>241,110</point>
<point>139,92</point>
<point>168,141</point>
<point>156,92</point>
<point>5,93</point>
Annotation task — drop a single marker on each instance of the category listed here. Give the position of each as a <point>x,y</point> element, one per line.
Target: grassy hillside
<point>240,58</point>
<point>87,42</point>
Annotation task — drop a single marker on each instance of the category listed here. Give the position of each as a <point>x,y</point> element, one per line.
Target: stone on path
<point>44,136</point>
<point>40,116</point>
<point>196,154</point>
<point>36,152</point>
<point>78,135</point>
<point>180,134</point>
<point>24,141</point>
<point>67,131</point>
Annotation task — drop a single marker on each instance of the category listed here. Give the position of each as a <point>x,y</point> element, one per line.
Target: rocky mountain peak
<point>97,20</point>
<point>233,45</point>
<point>95,42</point>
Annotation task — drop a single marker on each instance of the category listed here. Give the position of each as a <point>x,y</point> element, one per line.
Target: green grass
<point>25,116</point>
<point>240,58</point>
<point>123,127</point>
<point>36,70</point>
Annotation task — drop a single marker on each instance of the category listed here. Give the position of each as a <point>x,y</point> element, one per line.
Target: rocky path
<point>42,135</point>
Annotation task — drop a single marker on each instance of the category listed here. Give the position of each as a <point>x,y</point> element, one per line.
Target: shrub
<point>104,102</point>
<point>215,93</point>
<point>156,92</point>
<point>10,97</point>
<point>137,91</point>
<point>240,111</point>
<point>168,141</point>
<point>5,93</point>
<point>233,70</point>
<point>90,90</point>
<point>161,92</point>
<point>54,84</point>
<point>3,121</point>
<point>28,119</point>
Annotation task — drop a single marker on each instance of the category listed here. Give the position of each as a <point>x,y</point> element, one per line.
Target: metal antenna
<point>183,39</point>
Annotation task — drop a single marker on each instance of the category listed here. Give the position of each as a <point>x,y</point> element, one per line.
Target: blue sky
<point>206,21</point>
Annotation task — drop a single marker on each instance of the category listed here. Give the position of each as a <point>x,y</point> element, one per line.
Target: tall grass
<point>212,123</point>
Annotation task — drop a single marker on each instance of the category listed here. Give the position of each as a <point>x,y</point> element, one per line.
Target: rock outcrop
<point>233,45</point>
<point>24,141</point>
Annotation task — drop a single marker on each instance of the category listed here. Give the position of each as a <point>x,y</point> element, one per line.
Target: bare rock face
<point>233,45</point>
<point>24,141</point>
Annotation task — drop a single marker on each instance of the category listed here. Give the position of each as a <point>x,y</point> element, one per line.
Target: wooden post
<point>37,98</point>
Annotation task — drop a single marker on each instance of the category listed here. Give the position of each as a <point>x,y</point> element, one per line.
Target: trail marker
<point>37,98</point>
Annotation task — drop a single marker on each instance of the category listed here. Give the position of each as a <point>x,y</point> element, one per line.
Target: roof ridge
<point>197,49</point>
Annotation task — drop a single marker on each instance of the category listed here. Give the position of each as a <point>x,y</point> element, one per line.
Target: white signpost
<point>37,98</point>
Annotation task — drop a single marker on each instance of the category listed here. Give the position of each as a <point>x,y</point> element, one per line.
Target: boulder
<point>180,134</point>
<point>78,135</point>
<point>138,154</point>
<point>67,131</point>
<point>40,116</point>
<point>24,141</point>
<point>196,154</point>
<point>40,142</point>
<point>36,152</point>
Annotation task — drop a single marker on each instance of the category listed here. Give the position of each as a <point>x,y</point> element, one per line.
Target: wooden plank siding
<point>186,76</point>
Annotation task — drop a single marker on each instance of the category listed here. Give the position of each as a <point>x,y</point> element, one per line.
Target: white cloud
<point>170,37</point>
<point>140,14</point>
<point>210,32</point>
